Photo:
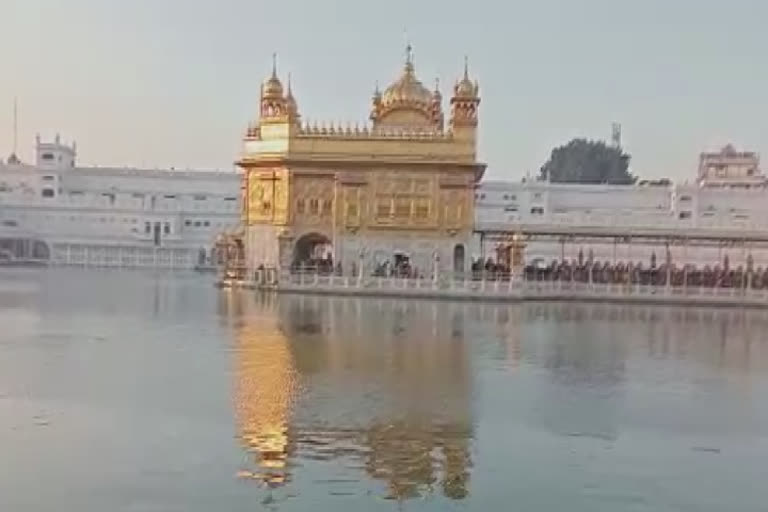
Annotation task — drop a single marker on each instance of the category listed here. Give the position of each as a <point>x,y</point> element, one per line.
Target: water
<point>129,391</point>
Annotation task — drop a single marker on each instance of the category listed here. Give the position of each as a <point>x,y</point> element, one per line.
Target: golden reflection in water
<point>385,389</point>
<point>264,391</point>
<point>411,357</point>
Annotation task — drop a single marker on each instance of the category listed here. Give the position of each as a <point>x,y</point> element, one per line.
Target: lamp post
<point>360,266</point>
<point>435,267</point>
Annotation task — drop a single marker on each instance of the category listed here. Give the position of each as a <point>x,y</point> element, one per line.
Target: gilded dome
<point>407,89</point>
<point>272,87</point>
<point>465,88</point>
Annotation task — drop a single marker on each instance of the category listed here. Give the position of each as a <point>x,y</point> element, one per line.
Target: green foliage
<point>587,161</point>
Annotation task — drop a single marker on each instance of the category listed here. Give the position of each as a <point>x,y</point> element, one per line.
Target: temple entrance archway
<point>313,250</point>
<point>458,258</point>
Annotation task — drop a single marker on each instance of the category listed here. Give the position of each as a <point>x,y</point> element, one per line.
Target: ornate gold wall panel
<point>312,200</point>
<point>404,200</point>
<point>267,197</point>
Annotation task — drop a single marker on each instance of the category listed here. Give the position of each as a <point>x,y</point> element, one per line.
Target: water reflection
<point>384,387</point>
<point>265,388</point>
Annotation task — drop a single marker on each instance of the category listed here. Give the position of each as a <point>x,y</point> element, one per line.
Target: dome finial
<point>408,54</point>
<point>290,91</point>
<point>272,88</point>
<point>464,88</point>
<point>408,49</point>
<point>274,64</point>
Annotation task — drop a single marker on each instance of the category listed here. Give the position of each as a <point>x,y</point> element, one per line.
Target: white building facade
<point>56,212</point>
<point>729,200</point>
<point>59,213</point>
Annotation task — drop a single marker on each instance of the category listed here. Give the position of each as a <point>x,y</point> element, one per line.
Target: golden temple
<point>400,189</point>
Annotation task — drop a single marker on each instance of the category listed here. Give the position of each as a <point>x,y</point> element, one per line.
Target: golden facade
<point>402,184</point>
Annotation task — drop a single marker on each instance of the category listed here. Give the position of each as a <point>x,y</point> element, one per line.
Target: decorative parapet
<point>349,131</point>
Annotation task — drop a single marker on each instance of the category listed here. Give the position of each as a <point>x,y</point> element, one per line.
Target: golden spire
<point>465,88</point>
<point>409,57</point>
<point>408,50</point>
<point>291,105</point>
<point>274,64</point>
<point>272,87</point>
<point>289,95</point>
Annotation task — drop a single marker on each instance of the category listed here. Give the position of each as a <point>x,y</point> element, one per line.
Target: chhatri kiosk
<point>400,189</point>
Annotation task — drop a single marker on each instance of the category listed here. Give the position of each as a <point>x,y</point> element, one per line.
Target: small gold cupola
<point>273,105</point>
<point>464,104</point>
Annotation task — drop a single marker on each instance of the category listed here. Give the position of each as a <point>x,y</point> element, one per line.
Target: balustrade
<point>520,286</point>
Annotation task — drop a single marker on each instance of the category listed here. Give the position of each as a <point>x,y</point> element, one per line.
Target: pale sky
<point>175,82</point>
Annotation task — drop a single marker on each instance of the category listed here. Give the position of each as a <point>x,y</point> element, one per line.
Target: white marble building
<point>731,200</point>
<point>55,210</point>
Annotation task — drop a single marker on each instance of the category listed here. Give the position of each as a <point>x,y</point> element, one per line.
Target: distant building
<point>58,212</point>
<point>730,168</point>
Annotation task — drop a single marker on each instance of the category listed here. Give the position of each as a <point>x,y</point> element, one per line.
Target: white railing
<point>517,289</point>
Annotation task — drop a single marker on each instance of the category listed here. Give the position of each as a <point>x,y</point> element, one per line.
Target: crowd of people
<point>604,272</point>
<point>325,266</point>
<point>402,269</point>
<point>580,270</point>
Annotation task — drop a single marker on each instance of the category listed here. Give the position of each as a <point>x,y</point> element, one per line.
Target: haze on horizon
<point>174,83</point>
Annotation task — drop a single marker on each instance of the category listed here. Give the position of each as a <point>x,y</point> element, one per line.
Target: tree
<point>587,161</point>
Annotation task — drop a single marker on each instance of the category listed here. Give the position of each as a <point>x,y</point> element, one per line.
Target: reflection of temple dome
<point>416,441</point>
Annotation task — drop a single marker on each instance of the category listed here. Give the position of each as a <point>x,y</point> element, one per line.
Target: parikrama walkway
<point>512,290</point>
